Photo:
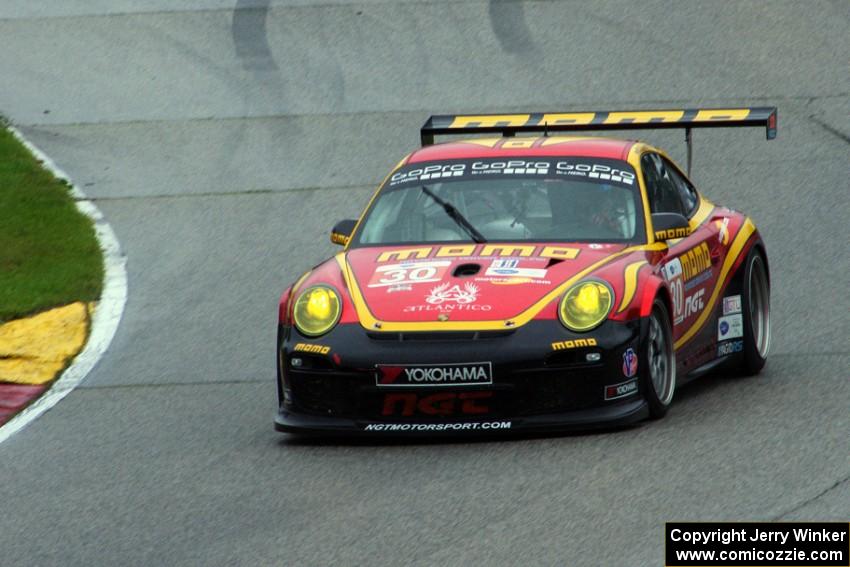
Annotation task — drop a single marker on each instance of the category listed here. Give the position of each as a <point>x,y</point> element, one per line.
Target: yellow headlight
<point>585,305</point>
<point>317,310</point>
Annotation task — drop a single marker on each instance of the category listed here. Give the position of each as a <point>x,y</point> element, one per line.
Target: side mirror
<point>342,230</point>
<point>670,225</point>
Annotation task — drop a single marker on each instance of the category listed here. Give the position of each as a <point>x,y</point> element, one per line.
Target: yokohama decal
<point>392,375</point>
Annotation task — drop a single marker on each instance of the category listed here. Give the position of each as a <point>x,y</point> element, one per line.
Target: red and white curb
<point>107,314</point>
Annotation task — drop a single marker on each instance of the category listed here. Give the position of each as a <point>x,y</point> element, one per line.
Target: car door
<point>689,268</point>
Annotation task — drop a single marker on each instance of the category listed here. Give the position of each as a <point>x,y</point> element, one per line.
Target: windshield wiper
<point>456,216</point>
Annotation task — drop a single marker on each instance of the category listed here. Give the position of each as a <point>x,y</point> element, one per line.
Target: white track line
<point>106,316</point>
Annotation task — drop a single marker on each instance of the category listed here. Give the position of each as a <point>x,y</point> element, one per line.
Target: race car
<point>525,281</point>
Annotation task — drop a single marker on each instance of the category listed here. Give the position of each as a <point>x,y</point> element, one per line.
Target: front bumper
<point>542,380</point>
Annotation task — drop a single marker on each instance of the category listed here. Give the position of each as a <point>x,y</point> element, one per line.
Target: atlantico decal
<point>454,294</point>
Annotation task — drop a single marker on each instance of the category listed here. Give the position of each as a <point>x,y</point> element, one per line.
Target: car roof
<point>566,146</point>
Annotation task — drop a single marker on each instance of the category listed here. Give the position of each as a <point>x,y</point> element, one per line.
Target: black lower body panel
<point>538,378</point>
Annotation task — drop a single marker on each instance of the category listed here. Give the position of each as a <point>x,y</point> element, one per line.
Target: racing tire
<point>756,313</point>
<point>659,378</point>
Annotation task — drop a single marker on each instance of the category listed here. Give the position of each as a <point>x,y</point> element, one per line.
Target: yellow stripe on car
<point>630,283</point>
<point>741,239</point>
<point>368,320</point>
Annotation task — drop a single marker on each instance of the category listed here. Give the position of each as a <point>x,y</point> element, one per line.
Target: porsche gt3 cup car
<point>525,283</point>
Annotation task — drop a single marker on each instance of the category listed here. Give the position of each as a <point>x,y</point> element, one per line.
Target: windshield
<point>515,199</point>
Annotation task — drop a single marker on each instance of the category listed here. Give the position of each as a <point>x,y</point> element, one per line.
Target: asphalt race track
<point>222,140</point>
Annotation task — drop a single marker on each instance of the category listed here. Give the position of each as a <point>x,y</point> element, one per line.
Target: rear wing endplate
<point>686,119</point>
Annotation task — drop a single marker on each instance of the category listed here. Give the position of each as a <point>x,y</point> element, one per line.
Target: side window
<point>687,193</point>
<point>662,192</point>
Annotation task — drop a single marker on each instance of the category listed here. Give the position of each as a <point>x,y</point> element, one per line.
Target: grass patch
<point>49,255</point>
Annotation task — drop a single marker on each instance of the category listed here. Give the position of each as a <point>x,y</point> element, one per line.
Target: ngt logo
<point>694,303</point>
<point>435,374</point>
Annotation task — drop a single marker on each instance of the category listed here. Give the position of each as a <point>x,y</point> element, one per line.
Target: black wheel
<point>659,378</point>
<point>756,313</point>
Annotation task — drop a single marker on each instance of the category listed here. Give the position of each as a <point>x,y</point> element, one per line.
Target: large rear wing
<point>686,119</point>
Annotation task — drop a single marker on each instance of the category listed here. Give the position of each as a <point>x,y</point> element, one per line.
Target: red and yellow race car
<point>526,283</point>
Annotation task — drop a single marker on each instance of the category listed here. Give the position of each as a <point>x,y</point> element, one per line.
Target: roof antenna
<point>545,129</point>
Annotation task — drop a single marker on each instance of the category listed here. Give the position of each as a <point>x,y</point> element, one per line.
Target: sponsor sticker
<point>672,269</point>
<point>595,171</point>
<point>513,281</point>
<point>444,403</point>
<point>397,276</point>
<point>307,347</point>
<point>722,230</point>
<point>694,303</point>
<point>512,267</point>
<point>730,327</point>
<point>446,293</point>
<point>467,426</point>
<point>731,304</point>
<point>575,343</point>
<point>698,279</point>
<point>438,171</point>
<point>630,363</point>
<point>446,308</point>
<point>473,252</point>
<point>406,375</point>
<point>604,171</point>
<point>511,167</point>
<point>621,390</point>
<point>730,347</point>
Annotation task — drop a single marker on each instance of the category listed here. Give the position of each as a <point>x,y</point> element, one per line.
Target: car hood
<point>484,282</point>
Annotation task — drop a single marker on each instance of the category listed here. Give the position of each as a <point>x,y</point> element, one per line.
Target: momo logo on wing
<point>395,375</point>
<point>454,294</point>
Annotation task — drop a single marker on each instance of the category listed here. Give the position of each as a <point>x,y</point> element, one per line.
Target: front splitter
<point>605,417</point>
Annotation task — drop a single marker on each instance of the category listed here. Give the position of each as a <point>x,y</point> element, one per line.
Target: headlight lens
<point>586,305</point>
<point>317,310</point>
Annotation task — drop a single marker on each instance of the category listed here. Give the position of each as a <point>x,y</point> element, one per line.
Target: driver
<point>586,211</point>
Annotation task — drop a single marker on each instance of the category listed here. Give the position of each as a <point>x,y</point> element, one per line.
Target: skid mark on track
<point>834,131</point>
<point>808,501</point>
<point>507,18</point>
<point>250,36</point>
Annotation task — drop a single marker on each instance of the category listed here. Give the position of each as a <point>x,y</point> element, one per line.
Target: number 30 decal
<point>409,273</point>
